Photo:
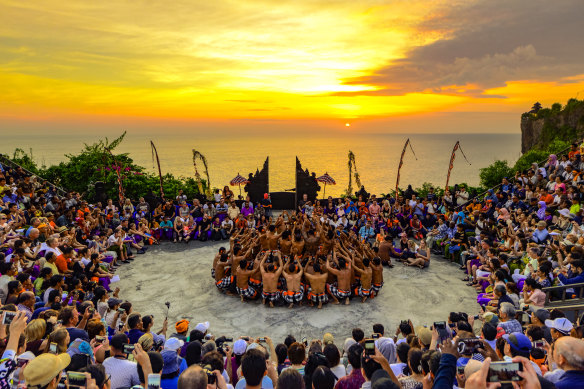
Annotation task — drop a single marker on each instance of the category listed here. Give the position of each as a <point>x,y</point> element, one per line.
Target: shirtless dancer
<point>270,275</point>
<point>295,290</point>
<point>243,289</point>
<point>377,276</point>
<point>342,289</point>
<point>317,281</point>
<point>364,290</point>
<point>223,281</point>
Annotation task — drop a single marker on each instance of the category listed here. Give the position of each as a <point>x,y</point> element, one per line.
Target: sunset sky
<point>450,66</point>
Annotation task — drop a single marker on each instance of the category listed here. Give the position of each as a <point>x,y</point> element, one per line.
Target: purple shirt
<point>247,210</point>
<point>351,381</point>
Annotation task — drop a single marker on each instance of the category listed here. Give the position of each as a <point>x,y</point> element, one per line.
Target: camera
<point>76,379</point>
<point>442,330</point>
<point>469,346</point>
<point>8,317</point>
<point>210,376</point>
<point>128,348</point>
<point>153,381</point>
<point>369,347</point>
<point>539,344</point>
<point>504,372</point>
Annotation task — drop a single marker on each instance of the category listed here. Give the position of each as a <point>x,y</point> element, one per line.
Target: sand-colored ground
<point>181,274</point>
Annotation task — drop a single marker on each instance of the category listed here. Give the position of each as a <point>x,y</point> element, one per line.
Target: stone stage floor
<point>181,274</point>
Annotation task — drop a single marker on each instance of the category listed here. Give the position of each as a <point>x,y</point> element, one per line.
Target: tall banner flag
<point>452,157</point>
<point>401,162</point>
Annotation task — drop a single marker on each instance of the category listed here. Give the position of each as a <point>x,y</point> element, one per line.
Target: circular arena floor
<point>181,274</point>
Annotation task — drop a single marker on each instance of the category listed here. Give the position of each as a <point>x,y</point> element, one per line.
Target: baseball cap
<point>41,370</point>
<point>328,338</point>
<point>239,347</point>
<point>182,325</point>
<point>560,324</point>
<point>490,317</point>
<point>203,327</point>
<point>542,315</point>
<point>380,380</point>
<point>112,302</point>
<point>173,344</point>
<point>518,341</point>
<point>425,335</point>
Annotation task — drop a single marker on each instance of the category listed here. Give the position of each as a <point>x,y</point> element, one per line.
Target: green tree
<point>494,173</point>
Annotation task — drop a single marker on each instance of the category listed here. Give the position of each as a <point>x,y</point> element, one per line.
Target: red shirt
<point>62,263</point>
<point>351,381</point>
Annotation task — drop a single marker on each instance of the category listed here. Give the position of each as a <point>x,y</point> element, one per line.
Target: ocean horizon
<point>376,155</point>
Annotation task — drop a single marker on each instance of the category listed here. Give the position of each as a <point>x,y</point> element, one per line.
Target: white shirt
<point>124,373</point>
<point>339,371</point>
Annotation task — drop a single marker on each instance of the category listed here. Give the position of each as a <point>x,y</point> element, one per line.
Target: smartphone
<point>120,326</point>
<point>8,317</point>
<point>469,346</point>
<point>128,348</point>
<point>460,369</point>
<point>21,362</point>
<point>121,311</point>
<point>76,379</point>
<point>369,347</point>
<point>53,348</point>
<point>539,344</point>
<point>262,339</point>
<point>375,336</point>
<point>442,331</point>
<point>62,382</point>
<point>305,341</point>
<point>100,339</point>
<point>153,381</point>
<point>476,317</point>
<point>504,372</point>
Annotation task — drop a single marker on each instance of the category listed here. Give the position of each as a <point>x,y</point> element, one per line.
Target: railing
<point>480,196</point>
<point>5,160</point>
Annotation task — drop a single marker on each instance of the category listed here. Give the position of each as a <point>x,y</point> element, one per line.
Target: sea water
<point>376,155</point>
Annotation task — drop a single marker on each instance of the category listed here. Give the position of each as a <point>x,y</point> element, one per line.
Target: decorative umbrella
<point>326,179</point>
<point>238,180</point>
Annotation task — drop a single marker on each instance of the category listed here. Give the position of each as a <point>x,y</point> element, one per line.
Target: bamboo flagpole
<point>401,162</point>
<point>452,157</point>
<point>155,152</point>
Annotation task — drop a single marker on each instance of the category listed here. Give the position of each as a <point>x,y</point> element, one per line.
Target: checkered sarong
<point>338,293</point>
<point>362,292</point>
<point>376,287</point>
<point>248,292</point>
<point>224,282</point>
<point>293,297</point>
<point>318,298</point>
<point>212,272</point>
<point>256,284</point>
<point>271,296</point>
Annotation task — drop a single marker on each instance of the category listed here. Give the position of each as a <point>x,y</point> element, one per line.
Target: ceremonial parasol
<point>238,180</point>
<point>326,179</point>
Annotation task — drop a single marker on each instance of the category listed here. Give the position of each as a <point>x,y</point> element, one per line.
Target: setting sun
<point>347,125</point>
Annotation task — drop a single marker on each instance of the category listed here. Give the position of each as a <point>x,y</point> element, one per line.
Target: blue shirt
<point>134,335</point>
<point>76,333</point>
<point>572,379</point>
<point>266,383</point>
<point>540,236</point>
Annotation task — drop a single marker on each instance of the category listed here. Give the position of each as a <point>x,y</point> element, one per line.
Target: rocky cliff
<point>541,126</point>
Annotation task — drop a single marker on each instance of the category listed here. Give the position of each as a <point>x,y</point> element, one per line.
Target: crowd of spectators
<point>59,254</point>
